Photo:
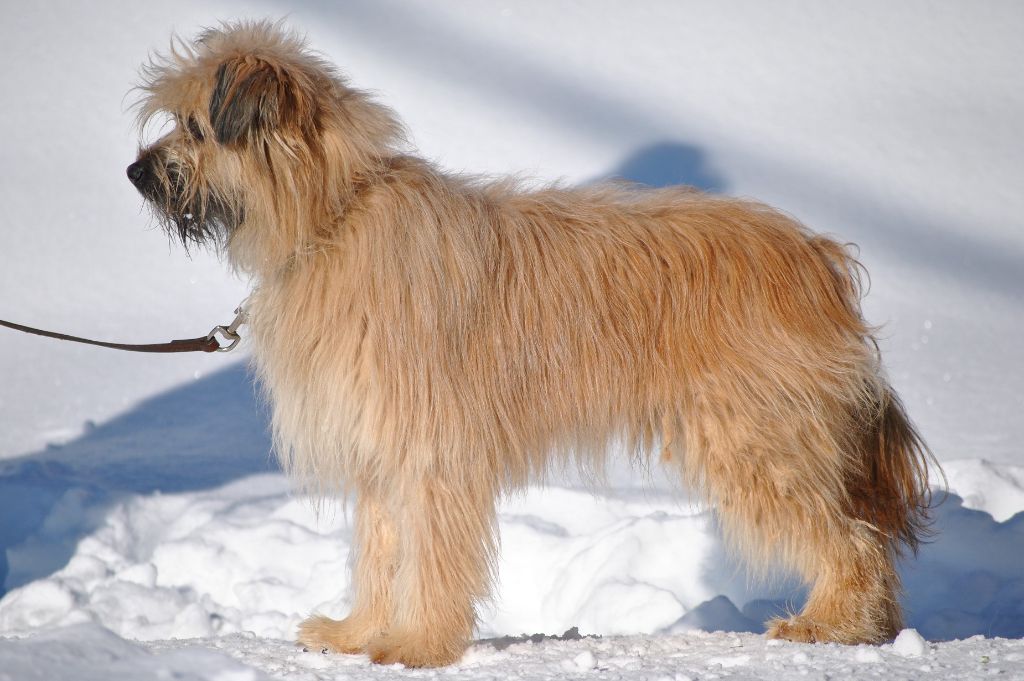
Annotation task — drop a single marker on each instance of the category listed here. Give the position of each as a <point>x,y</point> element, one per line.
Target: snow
<point>145,530</point>
<point>909,643</point>
<point>97,654</point>
<point>995,489</point>
<point>584,661</point>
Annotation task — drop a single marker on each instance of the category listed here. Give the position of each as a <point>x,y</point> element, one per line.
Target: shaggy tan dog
<point>429,341</point>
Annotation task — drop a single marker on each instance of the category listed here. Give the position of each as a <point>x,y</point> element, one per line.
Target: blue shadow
<point>199,436</point>
<point>670,163</point>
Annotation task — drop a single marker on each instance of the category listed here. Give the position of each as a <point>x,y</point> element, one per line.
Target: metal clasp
<point>230,332</point>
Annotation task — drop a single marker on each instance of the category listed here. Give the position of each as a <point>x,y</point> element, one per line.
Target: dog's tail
<point>892,491</point>
<point>889,486</point>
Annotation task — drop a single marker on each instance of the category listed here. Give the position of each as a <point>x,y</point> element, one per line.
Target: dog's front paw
<point>350,635</point>
<point>414,650</point>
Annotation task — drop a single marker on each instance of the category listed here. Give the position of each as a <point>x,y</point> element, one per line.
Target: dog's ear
<point>253,96</point>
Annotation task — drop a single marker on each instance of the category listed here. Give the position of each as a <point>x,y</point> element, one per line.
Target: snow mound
<point>996,489</point>
<point>909,643</point>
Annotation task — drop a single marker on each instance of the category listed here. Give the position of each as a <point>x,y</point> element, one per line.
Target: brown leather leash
<point>207,343</point>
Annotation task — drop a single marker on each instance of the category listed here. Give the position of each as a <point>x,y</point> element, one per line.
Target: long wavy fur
<point>429,341</point>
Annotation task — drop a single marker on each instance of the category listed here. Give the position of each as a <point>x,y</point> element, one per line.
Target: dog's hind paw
<point>797,629</point>
<point>801,629</point>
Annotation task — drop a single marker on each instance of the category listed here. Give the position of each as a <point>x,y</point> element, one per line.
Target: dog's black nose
<point>137,173</point>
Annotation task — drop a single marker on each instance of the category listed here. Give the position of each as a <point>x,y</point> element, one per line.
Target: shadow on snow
<point>198,436</point>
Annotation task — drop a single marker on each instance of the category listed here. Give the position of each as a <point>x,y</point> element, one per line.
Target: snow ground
<point>100,656</point>
<point>144,528</point>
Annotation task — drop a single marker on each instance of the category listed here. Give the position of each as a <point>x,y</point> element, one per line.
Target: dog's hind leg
<point>884,509</point>
<point>447,546</point>
<point>376,546</point>
<point>779,481</point>
<point>854,593</point>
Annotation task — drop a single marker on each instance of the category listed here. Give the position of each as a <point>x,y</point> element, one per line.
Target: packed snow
<point>145,529</point>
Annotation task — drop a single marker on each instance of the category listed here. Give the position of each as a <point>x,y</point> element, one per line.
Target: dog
<point>430,341</point>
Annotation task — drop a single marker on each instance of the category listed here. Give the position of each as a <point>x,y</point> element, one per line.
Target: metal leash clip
<point>230,332</point>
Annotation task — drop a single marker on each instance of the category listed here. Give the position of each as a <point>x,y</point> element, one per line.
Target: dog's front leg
<point>447,545</point>
<point>376,553</point>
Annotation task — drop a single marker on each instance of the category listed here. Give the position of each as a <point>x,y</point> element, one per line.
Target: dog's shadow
<point>667,164</point>
<point>198,436</point>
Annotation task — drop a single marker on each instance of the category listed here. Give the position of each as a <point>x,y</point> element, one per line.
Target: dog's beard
<point>194,214</point>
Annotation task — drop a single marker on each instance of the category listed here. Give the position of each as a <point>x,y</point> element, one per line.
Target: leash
<point>207,343</point>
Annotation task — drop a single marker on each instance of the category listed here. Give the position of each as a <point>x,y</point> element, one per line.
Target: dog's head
<point>266,137</point>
